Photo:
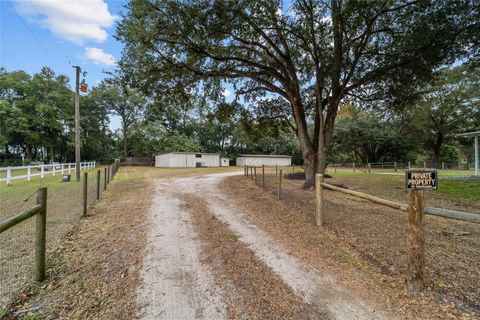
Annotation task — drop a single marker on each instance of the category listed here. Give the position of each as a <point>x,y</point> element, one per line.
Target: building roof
<point>470,134</point>
<point>264,156</point>
<point>212,154</point>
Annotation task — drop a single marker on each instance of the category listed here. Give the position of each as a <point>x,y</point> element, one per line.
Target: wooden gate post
<point>263,175</point>
<point>279,184</point>
<point>41,235</point>
<point>85,178</point>
<point>415,241</point>
<point>319,217</point>
<point>98,184</point>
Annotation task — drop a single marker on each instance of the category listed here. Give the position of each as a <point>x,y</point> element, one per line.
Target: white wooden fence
<point>43,170</point>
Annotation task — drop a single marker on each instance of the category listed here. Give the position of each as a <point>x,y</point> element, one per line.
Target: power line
<point>55,62</point>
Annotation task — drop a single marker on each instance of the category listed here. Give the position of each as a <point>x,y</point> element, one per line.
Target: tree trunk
<point>437,148</point>
<point>124,141</point>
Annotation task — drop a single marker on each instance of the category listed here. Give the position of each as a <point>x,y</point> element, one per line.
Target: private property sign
<point>421,180</point>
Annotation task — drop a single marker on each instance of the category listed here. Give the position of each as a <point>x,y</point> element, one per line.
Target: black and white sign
<point>421,180</point>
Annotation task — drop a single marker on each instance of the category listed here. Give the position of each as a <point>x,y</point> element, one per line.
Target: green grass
<point>466,189</point>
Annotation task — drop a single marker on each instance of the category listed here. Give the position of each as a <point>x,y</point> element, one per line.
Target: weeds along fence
<point>27,173</point>
<point>33,218</point>
<point>391,242</point>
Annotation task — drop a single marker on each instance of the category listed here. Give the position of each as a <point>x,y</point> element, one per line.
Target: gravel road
<point>177,286</point>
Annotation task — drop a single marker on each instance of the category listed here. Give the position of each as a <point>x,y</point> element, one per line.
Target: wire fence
<point>396,166</point>
<point>65,207</point>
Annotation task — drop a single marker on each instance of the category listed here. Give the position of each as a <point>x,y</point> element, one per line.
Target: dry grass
<point>93,271</point>
<point>254,290</point>
<point>367,241</point>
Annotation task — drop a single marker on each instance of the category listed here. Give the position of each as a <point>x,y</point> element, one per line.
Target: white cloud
<point>226,92</point>
<point>98,56</point>
<point>74,20</point>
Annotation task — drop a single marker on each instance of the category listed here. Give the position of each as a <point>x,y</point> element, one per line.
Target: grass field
<point>64,209</point>
<point>371,237</point>
<point>375,182</point>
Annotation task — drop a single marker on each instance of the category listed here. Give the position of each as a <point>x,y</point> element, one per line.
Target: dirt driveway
<point>182,279</point>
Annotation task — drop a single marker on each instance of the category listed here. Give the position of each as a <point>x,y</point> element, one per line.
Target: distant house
<point>190,160</point>
<point>263,159</point>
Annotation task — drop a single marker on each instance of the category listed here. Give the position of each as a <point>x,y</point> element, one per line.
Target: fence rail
<point>45,169</point>
<point>40,210</point>
<point>65,204</point>
<point>415,232</point>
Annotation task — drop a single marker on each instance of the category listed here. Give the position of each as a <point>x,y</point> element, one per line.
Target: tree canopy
<point>311,57</point>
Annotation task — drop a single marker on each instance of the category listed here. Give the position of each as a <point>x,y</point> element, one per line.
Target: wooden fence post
<point>98,184</point>
<point>415,241</point>
<point>255,174</point>
<point>42,171</point>
<point>319,217</point>
<point>29,173</point>
<point>108,174</point>
<point>335,168</point>
<point>251,173</point>
<point>276,169</point>
<point>369,168</point>
<point>246,168</point>
<point>395,166</point>
<point>40,235</point>
<point>105,179</point>
<point>424,164</point>
<point>85,178</point>
<point>263,175</point>
<point>443,165</point>
<point>353,165</point>
<point>409,165</point>
<point>279,184</point>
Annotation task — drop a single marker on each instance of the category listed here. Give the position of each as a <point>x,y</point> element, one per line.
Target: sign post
<point>416,183</point>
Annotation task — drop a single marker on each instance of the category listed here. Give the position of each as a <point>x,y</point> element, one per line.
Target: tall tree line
<point>311,57</point>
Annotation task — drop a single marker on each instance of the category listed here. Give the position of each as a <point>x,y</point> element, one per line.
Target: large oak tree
<point>311,55</point>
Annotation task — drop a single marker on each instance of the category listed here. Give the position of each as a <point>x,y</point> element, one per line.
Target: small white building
<point>224,162</point>
<point>264,159</point>
<point>190,160</point>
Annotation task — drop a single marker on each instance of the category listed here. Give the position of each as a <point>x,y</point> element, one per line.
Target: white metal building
<point>263,159</point>
<point>190,160</point>
<point>224,162</point>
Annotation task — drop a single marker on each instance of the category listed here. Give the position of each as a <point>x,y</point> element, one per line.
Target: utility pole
<point>77,122</point>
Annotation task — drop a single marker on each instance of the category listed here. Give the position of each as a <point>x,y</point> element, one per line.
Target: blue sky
<point>60,34</point>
